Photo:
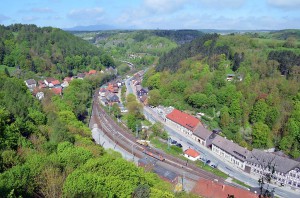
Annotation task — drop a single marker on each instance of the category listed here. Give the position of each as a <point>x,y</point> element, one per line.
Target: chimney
<point>223,187</point>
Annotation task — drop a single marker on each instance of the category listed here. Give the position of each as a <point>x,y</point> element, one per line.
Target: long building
<point>255,162</point>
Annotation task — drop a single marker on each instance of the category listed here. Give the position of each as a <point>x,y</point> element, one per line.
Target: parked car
<point>213,165</point>
<point>202,159</point>
<point>208,162</point>
<point>179,145</point>
<point>173,142</point>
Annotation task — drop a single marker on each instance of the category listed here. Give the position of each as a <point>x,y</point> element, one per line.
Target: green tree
<point>154,97</point>
<point>259,111</point>
<point>261,135</point>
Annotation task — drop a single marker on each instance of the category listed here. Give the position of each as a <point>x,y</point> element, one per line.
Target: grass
<point>173,150</point>
<point>240,183</point>
<point>208,168</point>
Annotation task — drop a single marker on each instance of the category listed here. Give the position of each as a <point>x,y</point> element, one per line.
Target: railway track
<point>127,141</point>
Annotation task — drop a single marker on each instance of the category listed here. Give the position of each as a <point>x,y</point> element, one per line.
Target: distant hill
<point>92,28</point>
<point>48,49</point>
<point>284,34</point>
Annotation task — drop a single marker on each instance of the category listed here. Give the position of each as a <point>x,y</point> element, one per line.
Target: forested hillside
<point>46,152</point>
<point>141,47</point>
<point>48,50</point>
<point>247,85</point>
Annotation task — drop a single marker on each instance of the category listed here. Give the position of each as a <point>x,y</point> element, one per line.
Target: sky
<point>155,14</point>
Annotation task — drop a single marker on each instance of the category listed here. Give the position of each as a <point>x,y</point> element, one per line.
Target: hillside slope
<point>246,85</point>
<point>48,49</point>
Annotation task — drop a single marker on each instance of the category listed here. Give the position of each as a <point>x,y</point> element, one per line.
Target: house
<point>102,92</point>
<point>54,83</point>
<point>68,79</point>
<point>91,72</point>
<point>231,152</point>
<point>165,174</point>
<point>65,84</point>
<point>30,83</point>
<point>208,188</point>
<point>80,76</point>
<point>42,84</point>
<point>183,121</point>
<point>47,81</point>
<point>230,77</point>
<point>191,154</point>
<point>144,100</point>
<point>203,136</point>
<point>111,98</point>
<point>40,95</point>
<point>140,91</point>
<point>110,88</point>
<point>57,90</point>
<point>286,171</point>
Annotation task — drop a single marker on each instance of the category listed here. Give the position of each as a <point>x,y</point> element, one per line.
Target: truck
<point>143,142</point>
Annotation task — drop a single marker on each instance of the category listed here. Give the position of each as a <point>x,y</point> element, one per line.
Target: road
<point>224,166</point>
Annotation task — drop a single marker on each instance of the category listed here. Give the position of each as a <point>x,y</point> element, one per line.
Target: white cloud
<point>285,4</point>
<point>164,6</point>
<point>222,4</point>
<point>41,10</point>
<point>86,14</point>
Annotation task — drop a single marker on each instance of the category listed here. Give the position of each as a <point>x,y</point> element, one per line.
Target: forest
<point>245,84</point>
<point>49,50</point>
<point>47,152</point>
<point>46,149</point>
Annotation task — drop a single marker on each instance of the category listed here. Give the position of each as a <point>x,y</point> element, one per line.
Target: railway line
<point>127,141</point>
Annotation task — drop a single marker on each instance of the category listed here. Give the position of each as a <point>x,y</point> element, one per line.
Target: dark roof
<point>202,132</point>
<point>231,148</point>
<point>282,164</point>
<point>164,173</point>
<point>31,82</point>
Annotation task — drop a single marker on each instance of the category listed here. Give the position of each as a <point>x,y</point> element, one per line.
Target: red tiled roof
<point>55,82</point>
<point>191,152</point>
<point>184,119</point>
<point>57,91</point>
<point>50,79</point>
<point>68,79</point>
<point>92,72</point>
<point>207,188</point>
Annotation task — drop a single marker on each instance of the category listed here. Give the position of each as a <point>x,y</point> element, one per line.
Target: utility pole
<point>182,178</point>
<point>137,130</point>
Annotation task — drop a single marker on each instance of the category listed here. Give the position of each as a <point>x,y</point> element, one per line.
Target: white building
<point>191,154</point>
<point>231,152</point>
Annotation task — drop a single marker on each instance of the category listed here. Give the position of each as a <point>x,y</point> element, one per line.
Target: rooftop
<point>164,173</point>
<point>184,119</point>
<point>30,82</point>
<point>207,188</point>
<point>282,164</point>
<point>231,148</point>
<point>202,132</point>
<point>191,152</point>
